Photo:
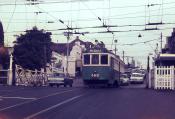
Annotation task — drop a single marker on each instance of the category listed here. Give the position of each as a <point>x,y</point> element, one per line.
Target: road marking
<point>52,107</point>
<point>24,98</point>
<point>26,102</point>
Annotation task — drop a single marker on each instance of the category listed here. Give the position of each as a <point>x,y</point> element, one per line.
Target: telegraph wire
<point>11,16</point>
<point>42,2</point>
<point>95,9</point>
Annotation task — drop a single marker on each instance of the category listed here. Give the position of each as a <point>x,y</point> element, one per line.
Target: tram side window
<point>112,62</point>
<point>86,59</point>
<point>104,59</point>
<point>95,59</point>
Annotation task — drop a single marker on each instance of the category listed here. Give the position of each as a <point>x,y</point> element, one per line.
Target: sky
<point>128,16</point>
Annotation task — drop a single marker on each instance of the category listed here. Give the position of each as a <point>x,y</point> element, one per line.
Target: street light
<point>139,36</point>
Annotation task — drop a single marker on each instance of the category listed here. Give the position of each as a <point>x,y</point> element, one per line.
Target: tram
<point>101,66</point>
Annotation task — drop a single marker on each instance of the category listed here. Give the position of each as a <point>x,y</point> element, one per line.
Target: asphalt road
<point>85,103</point>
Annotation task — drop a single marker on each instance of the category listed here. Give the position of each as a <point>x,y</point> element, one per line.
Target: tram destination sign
<point>95,50</point>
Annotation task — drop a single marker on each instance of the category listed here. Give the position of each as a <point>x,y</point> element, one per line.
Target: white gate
<point>30,78</point>
<point>4,76</point>
<point>164,77</point>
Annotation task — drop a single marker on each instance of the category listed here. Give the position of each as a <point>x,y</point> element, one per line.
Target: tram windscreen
<point>86,59</point>
<point>95,59</point>
<point>104,59</point>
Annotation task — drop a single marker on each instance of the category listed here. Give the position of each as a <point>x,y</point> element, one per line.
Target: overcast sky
<point>84,13</point>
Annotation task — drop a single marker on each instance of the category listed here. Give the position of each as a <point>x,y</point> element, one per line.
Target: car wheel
<point>65,85</point>
<point>70,85</point>
<point>51,85</point>
<point>58,85</point>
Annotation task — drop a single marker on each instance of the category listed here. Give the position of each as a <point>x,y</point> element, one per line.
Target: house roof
<point>61,48</point>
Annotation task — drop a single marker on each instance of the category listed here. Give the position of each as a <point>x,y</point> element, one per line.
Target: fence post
<point>155,78</point>
<point>172,78</point>
<point>10,76</point>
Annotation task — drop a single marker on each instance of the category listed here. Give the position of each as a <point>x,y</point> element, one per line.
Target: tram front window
<point>104,59</point>
<point>95,59</point>
<point>86,59</point>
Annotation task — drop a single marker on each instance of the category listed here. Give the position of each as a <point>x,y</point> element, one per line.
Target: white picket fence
<point>164,77</point>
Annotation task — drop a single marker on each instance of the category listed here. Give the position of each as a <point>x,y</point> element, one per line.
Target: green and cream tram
<point>101,67</point>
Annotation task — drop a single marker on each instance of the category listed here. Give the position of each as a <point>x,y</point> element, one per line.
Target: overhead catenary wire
<point>11,17</point>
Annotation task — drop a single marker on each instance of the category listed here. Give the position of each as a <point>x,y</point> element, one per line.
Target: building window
<point>104,59</point>
<point>86,59</point>
<point>95,59</point>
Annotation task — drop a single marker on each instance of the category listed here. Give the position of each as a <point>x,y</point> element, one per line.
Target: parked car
<point>59,79</point>
<point>137,78</point>
<point>124,79</point>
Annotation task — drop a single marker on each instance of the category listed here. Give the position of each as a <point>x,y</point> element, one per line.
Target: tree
<point>4,57</point>
<point>4,54</point>
<point>32,50</point>
<point>1,35</point>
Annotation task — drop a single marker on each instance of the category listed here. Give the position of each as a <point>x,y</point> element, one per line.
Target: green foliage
<point>32,50</point>
<point>1,35</point>
<point>4,57</point>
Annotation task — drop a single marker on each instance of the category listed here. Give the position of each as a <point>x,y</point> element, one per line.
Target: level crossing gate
<point>30,78</point>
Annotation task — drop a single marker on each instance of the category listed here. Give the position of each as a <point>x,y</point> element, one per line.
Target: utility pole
<point>148,68</point>
<point>123,56</point>
<point>161,42</point>
<point>45,57</point>
<point>67,55</point>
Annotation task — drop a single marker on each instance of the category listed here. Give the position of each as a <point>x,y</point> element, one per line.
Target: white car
<point>137,78</point>
<point>124,79</point>
<point>59,79</point>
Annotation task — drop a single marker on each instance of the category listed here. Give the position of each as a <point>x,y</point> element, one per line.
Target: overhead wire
<point>11,16</point>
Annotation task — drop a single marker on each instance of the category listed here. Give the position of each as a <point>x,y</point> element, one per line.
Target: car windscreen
<point>95,59</point>
<point>124,76</point>
<point>137,75</point>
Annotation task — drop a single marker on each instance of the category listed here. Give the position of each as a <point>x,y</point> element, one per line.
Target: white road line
<point>24,98</point>
<point>19,104</point>
<point>52,107</point>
